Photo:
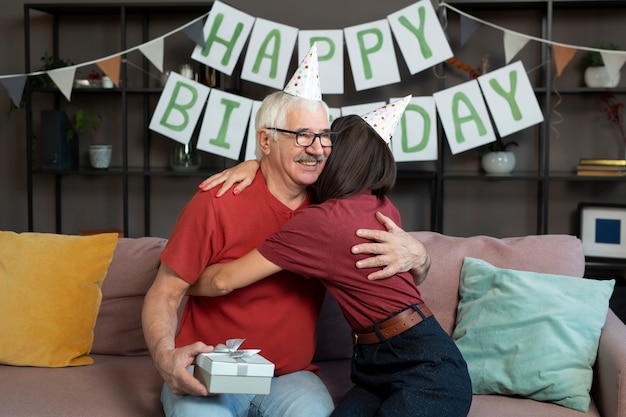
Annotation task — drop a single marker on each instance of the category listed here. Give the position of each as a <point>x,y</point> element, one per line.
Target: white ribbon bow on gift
<point>232,348</point>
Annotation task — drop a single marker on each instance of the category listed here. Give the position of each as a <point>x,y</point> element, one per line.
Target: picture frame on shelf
<point>602,230</point>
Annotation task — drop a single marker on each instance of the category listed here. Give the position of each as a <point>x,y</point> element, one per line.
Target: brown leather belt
<point>393,326</point>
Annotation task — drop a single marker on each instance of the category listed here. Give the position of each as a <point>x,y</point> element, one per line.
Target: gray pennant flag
<point>15,87</point>
<point>195,33</point>
<point>468,27</point>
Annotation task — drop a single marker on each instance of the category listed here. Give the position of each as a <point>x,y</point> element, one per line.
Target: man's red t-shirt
<point>278,314</point>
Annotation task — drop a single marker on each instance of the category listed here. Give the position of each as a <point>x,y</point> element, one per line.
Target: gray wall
<point>472,207</point>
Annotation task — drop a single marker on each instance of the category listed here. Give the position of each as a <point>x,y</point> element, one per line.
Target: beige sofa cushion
<point>114,386</point>
<point>133,269</point>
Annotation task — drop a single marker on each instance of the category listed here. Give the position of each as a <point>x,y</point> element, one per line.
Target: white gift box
<point>222,373</point>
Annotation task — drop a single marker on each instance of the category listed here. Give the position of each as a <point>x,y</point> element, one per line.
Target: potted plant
<point>48,63</point>
<point>95,78</point>
<point>497,158</point>
<point>99,154</point>
<point>596,74</point>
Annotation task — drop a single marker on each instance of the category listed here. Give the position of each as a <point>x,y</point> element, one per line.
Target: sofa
<point>122,381</point>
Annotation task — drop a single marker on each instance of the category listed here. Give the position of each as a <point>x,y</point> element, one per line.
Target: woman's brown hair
<point>360,160</point>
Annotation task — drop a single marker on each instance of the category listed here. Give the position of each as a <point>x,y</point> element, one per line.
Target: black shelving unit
<point>545,175</point>
<point>127,14</point>
<point>538,179</point>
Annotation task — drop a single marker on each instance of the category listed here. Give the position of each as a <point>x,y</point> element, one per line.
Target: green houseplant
<point>99,154</point>
<point>48,63</point>
<point>594,58</point>
<point>84,119</point>
<point>499,145</point>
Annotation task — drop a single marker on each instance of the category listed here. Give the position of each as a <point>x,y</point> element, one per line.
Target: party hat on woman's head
<point>305,82</point>
<point>385,119</point>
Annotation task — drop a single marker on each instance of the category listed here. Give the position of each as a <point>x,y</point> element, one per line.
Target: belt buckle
<point>355,338</point>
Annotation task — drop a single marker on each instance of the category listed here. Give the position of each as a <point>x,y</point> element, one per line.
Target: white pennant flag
<point>513,43</point>
<point>64,79</point>
<point>153,50</point>
<point>613,62</point>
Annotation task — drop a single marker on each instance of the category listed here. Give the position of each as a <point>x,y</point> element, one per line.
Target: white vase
<point>498,162</point>
<point>598,77</point>
<point>107,82</point>
<point>100,156</point>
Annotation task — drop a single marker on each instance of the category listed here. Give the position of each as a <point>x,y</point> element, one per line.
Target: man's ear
<point>263,140</point>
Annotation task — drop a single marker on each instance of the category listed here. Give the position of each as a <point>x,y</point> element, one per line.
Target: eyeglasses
<point>306,138</point>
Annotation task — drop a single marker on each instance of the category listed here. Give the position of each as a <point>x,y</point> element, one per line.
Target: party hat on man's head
<point>305,82</point>
<point>385,119</point>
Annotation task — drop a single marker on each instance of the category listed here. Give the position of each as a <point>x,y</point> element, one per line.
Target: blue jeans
<point>299,394</point>
<point>417,373</point>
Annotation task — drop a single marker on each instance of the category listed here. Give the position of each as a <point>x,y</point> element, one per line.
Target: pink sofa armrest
<point>609,386</point>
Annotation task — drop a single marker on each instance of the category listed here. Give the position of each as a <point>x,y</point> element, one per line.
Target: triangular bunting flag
<point>195,33</point>
<point>468,27</point>
<point>513,43</point>
<point>15,87</point>
<point>562,56</point>
<point>64,79</point>
<point>153,50</point>
<point>613,62</point>
<point>111,67</point>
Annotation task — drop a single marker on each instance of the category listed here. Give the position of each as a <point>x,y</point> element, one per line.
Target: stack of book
<point>601,167</point>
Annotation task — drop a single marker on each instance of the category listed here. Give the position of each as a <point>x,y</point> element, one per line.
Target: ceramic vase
<point>498,163</point>
<point>598,77</point>
<point>100,156</point>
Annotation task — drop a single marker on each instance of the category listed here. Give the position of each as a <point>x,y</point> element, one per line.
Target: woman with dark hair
<point>364,163</point>
<point>404,363</point>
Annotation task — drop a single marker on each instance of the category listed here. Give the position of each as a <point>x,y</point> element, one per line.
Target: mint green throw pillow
<point>529,334</point>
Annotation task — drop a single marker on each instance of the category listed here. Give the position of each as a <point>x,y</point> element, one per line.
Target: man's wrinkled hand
<point>173,366</point>
<point>393,250</point>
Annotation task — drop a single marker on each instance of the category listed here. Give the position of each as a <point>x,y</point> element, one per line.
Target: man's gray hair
<point>274,109</point>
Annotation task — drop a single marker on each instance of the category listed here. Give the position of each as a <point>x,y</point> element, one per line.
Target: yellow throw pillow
<point>50,295</point>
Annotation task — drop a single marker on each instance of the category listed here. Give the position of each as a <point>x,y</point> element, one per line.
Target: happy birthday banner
<point>228,118</point>
<point>464,109</point>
